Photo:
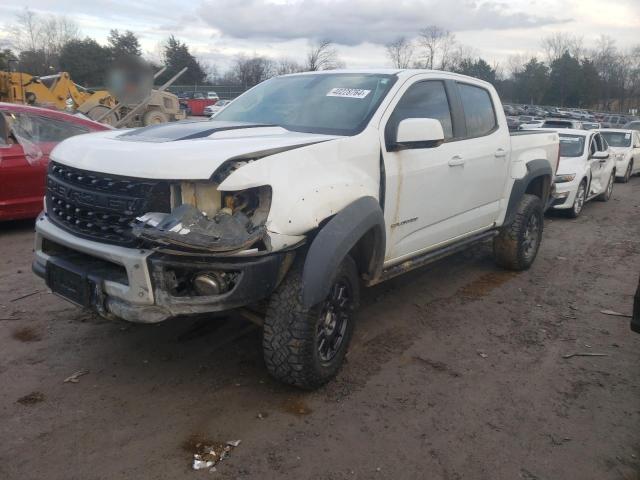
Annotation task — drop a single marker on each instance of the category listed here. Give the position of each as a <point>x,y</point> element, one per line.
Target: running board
<point>432,256</point>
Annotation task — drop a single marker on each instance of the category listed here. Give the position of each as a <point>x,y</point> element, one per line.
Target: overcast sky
<point>217,30</point>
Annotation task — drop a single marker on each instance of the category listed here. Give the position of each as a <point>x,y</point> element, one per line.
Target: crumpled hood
<point>191,150</point>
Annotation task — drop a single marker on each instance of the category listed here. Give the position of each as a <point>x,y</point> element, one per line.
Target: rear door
<point>486,156</point>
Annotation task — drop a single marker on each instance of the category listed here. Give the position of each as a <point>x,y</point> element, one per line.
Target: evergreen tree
<point>176,57</point>
<point>86,60</point>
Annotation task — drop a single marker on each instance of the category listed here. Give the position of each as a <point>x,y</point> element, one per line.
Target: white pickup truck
<point>302,190</point>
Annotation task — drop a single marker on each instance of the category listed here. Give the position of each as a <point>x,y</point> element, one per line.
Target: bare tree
<point>211,70</point>
<point>31,32</point>
<point>56,32</point>
<point>322,56</point>
<point>286,66</point>
<point>40,40</point>
<point>559,43</point>
<point>438,45</point>
<point>25,32</point>
<point>515,63</point>
<point>400,52</point>
<point>249,71</point>
<point>461,54</point>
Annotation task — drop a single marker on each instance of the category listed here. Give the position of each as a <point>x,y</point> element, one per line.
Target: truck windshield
<point>329,103</point>
<point>571,145</point>
<point>617,139</point>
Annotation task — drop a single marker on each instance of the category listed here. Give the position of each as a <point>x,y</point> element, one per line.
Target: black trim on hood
<point>189,130</point>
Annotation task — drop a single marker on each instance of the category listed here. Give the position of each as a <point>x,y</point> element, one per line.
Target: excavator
<point>60,92</point>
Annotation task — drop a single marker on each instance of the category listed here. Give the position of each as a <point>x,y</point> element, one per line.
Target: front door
<point>436,195</point>
<point>597,166</point>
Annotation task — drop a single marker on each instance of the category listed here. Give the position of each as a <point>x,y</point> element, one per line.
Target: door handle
<point>500,153</point>
<point>456,161</point>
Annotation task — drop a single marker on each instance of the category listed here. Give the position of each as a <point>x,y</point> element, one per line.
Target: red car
<point>27,136</point>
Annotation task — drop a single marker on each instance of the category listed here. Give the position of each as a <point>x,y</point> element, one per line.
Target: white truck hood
<point>190,150</point>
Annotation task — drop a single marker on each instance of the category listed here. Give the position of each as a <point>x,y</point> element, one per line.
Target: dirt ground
<point>456,371</point>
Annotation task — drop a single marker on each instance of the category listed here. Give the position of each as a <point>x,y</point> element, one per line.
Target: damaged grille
<point>99,206</point>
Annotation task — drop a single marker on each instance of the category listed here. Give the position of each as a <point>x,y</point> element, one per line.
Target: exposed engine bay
<point>203,219</point>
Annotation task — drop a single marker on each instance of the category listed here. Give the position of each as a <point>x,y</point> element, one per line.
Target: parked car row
<point>590,162</point>
<point>521,115</point>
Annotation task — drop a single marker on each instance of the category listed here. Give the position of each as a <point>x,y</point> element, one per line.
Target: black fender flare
<point>535,169</point>
<point>335,240</point>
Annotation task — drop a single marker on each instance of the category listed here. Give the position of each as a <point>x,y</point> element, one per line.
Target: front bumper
<point>139,285</point>
<point>565,194</point>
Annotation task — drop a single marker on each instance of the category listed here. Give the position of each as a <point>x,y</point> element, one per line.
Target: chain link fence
<point>225,92</point>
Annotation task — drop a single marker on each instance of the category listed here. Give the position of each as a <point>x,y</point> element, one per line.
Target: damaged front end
<point>205,220</point>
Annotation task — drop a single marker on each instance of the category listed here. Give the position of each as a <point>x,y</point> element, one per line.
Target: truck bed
<point>527,145</point>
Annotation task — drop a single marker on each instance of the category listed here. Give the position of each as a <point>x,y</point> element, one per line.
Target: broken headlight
<point>564,178</point>
<point>206,219</point>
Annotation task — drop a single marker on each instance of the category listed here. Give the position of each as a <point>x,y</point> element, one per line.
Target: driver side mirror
<point>417,133</point>
<point>600,155</point>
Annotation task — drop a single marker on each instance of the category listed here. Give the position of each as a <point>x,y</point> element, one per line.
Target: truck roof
<point>400,72</point>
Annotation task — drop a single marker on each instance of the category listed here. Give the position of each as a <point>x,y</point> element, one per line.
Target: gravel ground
<point>456,371</point>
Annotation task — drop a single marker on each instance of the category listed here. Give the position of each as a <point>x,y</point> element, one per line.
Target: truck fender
<point>335,240</point>
<point>535,169</point>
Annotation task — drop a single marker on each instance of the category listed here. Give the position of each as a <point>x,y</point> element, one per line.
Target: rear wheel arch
<point>537,181</point>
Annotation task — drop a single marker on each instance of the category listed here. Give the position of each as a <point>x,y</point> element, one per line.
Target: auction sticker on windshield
<point>348,92</point>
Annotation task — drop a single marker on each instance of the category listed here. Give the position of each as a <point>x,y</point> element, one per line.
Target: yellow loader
<point>60,92</point>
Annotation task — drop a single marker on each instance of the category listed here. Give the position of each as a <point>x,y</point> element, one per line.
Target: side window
<point>426,99</point>
<point>600,145</point>
<point>479,114</point>
<point>43,130</point>
<point>50,130</point>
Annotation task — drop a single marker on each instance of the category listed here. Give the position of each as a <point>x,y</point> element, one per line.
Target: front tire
<point>578,203</point>
<point>516,246</point>
<point>305,347</point>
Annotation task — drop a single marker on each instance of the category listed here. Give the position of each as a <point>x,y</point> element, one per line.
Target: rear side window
<point>43,130</point>
<point>479,114</point>
<point>423,100</point>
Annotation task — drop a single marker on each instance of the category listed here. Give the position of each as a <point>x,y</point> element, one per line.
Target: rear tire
<point>98,111</point>
<point>305,347</point>
<point>154,117</point>
<point>516,246</point>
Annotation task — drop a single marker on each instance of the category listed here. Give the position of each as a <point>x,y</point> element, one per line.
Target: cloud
<point>352,22</point>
